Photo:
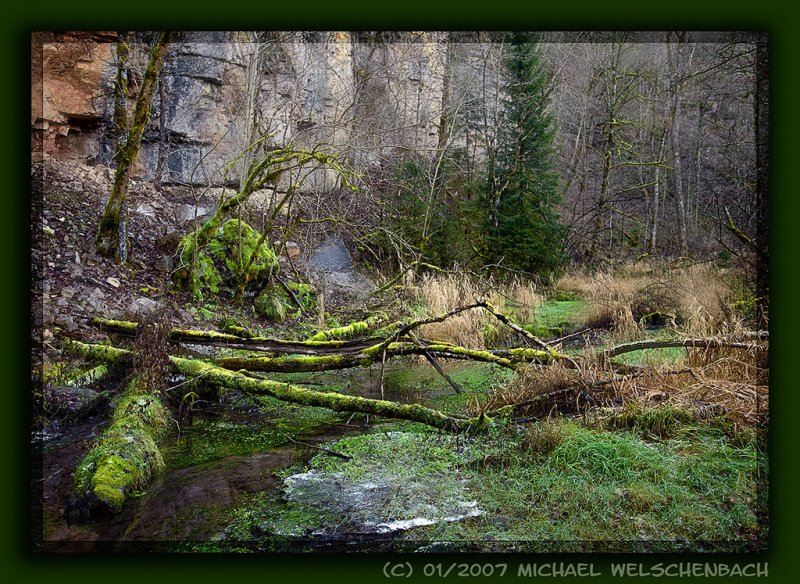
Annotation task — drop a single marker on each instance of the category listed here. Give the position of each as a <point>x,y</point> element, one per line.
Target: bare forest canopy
<point>521,151</point>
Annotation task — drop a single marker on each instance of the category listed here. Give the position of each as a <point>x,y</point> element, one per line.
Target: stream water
<point>189,504</point>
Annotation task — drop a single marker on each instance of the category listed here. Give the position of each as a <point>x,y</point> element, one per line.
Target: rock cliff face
<point>368,95</point>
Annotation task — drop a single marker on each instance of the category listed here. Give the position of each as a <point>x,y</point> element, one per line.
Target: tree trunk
<point>699,343</point>
<point>680,204</point>
<point>761,121</point>
<point>163,137</point>
<point>676,67</point>
<point>651,248</point>
<point>197,369</point>
<point>111,235</point>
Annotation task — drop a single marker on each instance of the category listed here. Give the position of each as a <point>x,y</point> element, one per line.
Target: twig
<point>325,450</point>
<point>571,335</point>
<point>289,291</point>
<point>435,363</point>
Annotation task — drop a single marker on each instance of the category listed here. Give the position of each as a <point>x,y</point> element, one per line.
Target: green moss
<point>111,478</point>
<point>216,439</point>
<point>224,260</point>
<point>124,326</point>
<point>350,331</point>
<point>126,456</point>
<point>306,294</point>
<point>236,242</point>
<point>272,303</point>
<point>60,373</point>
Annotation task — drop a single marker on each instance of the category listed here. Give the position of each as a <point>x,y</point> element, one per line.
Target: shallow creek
<point>185,503</point>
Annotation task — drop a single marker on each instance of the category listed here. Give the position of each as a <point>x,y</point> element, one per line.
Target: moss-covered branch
<point>698,343</point>
<point>195,368</point>
<point>312,355</point>
<point>510,359</point>
<point>731,226</point>
<point>237,341</point>
<point>351,330</point>
<point>514,326</point>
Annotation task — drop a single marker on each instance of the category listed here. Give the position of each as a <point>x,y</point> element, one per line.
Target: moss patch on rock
<point>306,294</point>
<point>273,303</point>
<point>225,261</point>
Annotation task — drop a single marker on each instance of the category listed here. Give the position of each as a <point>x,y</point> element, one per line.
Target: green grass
<point>560,313</point>
<point>603,486</point>
<point>654,357</point>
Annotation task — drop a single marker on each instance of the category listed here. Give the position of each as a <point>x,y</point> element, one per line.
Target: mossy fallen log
<point>91,376</point>
<point>351,330</point>
<point>215,375</point>
<point>124,458</point>
<point>317,355</point>
<point>377,353</point>
<point>245,341</point>
<point>330,400</point>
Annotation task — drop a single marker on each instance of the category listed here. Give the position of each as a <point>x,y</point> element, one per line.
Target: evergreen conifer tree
<point>523,227</point>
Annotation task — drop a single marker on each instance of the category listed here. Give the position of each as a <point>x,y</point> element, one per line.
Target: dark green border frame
<point>20,20</point>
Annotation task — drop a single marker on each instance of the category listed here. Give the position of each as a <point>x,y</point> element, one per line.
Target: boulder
<point>219,262</point>
<point>142,306</point>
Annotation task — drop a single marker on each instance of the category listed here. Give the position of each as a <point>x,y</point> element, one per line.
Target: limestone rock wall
<point>371,96</point>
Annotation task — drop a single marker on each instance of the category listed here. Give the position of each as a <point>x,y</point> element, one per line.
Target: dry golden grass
<point>440,293</point>
<point>694,298</point>
<point>710,382</point>
<point>611,299</point>
<point>521,300</point>
<point>531,383</point>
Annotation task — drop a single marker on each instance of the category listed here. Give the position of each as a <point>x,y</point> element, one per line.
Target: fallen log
<point>233,341</point>
<point>354,353</point>
<point>695,343</point>
<point>215,375</point>
<point>125,456</point>
<point>351,330</point>
<point>510,359</point>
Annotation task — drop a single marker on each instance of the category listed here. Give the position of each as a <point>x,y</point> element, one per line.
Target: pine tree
<point>523,227</point>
